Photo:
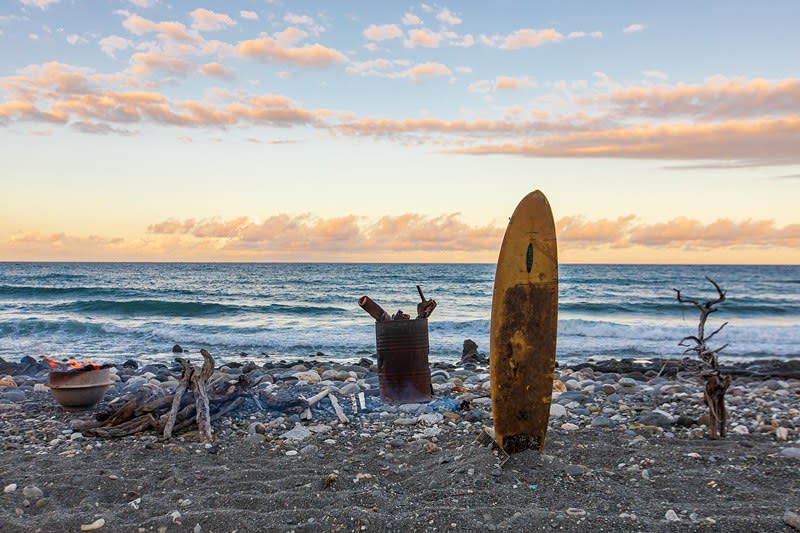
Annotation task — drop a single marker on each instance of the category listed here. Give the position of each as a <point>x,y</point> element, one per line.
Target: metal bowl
<point>79,397</point>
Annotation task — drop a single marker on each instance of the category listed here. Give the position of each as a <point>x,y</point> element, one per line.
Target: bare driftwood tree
<point>716,385</point>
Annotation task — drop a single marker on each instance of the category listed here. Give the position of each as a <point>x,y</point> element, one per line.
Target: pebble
<point>32,492</point>
<point>97,524</point>
<point>672,516</point>
<point>10,488</point>
<point>794,453</point>
<point>557,410</point>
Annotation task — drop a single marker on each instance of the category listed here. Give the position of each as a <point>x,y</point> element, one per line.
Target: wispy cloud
<point>633,28</point>
<point>206,20</point>
<point>41,4</point>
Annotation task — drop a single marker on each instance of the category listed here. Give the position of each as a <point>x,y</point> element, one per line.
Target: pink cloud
<point>168,31</point>
<point>206,20</point>
<point>268,49</point>
<point>530,38</point>
<point>424,38</point>
<point>216,70</point>
<point>428,70</point>
<point>383,32</point>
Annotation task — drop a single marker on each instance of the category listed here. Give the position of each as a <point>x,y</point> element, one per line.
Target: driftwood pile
<point>194,403</point>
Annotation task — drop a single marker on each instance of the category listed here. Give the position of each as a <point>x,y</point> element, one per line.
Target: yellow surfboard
<point>522,348</point>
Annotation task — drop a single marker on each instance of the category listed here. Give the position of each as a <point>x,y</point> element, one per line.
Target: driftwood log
<point>715,384</point>
<point>195,379</point>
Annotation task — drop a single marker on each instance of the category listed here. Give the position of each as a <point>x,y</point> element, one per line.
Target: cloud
<point>530,38</point>
<point>408,237</point>
<point>304,20</point>
<point>99,128</point>
<point>766,140</point>
<point>633,28</point>
<point>145,63</point>
<point>717,98</point>
<point>385,68</point>
<point>27,111</point>
<point>507,83</point>
<point>216,70</point>
<point>249,15</point>
<point>424,38</point>
<point>41,4</point>
<point>66,94</point>
<point>428,70</point>
<point>167,31</point>
<point>290,36</point>
<point>445,16</point>
<point>686,232</point>
<point>268,49</point>
<point>74,39</point>
<point>206,20</point>
<point>577,231</point>
<point>410,19</point>
<point>109,45</point>
<point>383,32</point>
<point>305,233</point>
<point>143,3</point>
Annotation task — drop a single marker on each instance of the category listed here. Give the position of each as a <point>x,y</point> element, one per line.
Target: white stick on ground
<point>338,409</point>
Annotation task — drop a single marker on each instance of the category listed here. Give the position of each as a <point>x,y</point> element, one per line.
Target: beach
<point>626,451</point>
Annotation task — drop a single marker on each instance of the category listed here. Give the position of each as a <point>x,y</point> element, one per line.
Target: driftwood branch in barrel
<point>715,384</point>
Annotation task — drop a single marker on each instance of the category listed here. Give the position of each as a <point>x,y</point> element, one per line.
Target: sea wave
<point>173,308</point>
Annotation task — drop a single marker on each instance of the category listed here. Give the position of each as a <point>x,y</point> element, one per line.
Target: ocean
<point>111,312</point>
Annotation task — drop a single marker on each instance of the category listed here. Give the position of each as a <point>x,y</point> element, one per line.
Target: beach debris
<point>486,439</point>
<point>400,315</point>
<point>715,384</point>
<point>329,480</point>
<point>426,306</point>
<point>374,310</point>
<point>338,409</point>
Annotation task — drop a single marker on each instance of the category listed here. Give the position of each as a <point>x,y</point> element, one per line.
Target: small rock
<point>576,512</point>
<point>291,453</point>
<point>32,492</point>
<point>671,516</point>
<point>791,452</point>
<point>299,432</point>
<point>97,524</point>
<point>569,426</point>
<point>431,418</point>
<point>10,488</point>
<point>557,410</point>
<point>175,349</point>
<point>791,519</point>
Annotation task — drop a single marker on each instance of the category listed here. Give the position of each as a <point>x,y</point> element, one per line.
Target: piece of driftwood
<point>338,409</point>
<point>195,379</point>
<point>715,384</point>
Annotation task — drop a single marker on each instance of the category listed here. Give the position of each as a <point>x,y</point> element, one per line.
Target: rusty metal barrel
<point>403,372</point>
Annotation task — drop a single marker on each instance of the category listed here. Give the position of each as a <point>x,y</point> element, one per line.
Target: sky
<point>149,130</point>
